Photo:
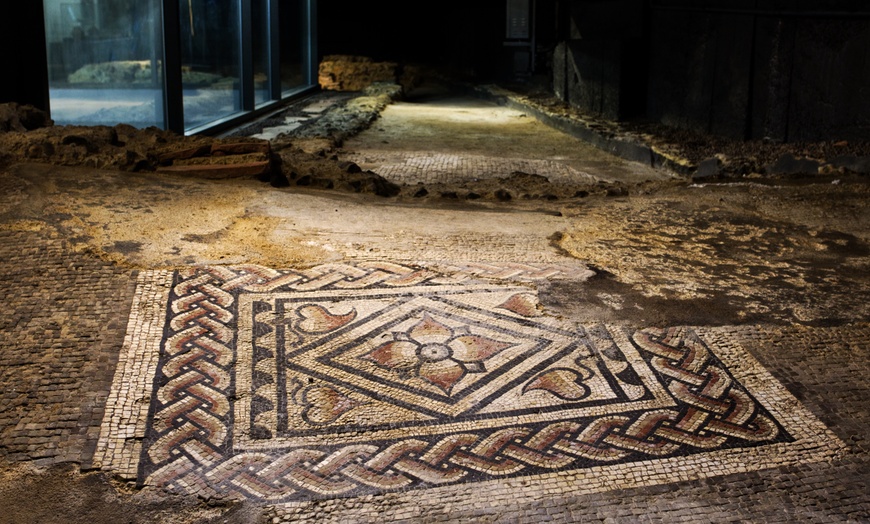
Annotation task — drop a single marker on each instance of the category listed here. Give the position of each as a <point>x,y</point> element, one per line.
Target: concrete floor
<point>179,350</point>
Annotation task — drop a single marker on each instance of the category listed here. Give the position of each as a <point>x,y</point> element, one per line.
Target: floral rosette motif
<point>436,353</point>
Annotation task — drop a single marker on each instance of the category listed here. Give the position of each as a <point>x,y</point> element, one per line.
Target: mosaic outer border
<point>813,442</point>
<point>193,449</point>
<point>124,422</point>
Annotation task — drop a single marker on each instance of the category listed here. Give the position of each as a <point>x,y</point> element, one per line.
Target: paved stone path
<point>444,168</point>
<point>438,137</point>
<point>64,315</point>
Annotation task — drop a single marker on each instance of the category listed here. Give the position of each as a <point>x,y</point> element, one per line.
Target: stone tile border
<point>124,421</point>
<point>124,425</point>
<point>813,443</point>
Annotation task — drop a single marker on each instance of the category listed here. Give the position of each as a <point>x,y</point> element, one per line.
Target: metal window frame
<point>168,50</point>
<point>311,39</point>
<point>274,50</point>
<point>246,54</point>
<point>173,93</point>
<point>309,53</point>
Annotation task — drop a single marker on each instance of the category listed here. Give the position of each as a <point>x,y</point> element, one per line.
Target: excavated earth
<point>660,248</point>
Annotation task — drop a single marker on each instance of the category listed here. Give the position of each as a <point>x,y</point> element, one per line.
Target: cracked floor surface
<point>435,136</point>
<point>182,350</point>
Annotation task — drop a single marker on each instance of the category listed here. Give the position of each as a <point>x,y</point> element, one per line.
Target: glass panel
<point>260,35</point>
<point>294,43</point>
<point>104,61</point>
<point>210,60</point>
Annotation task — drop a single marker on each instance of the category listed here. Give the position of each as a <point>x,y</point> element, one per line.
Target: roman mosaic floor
<point>203,352</point>
<point>250,383</point>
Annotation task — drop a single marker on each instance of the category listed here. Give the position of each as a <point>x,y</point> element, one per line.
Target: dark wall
<point>601,64</point>
<point>23,58</point>
<point>466,36</point>
<point>827,81</point>
<point>787,70</point>
<point>700,68</point>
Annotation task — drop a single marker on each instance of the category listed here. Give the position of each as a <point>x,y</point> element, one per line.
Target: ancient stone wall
<point>354,73</point>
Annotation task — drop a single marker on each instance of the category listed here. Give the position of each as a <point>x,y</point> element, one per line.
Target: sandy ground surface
<point>743,252</point>
<point>665,252</point>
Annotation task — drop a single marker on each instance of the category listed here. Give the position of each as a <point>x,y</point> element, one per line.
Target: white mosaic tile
<point>352,380</point>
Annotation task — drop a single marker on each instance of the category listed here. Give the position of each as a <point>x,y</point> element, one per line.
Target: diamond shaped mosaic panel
<point>411,361</point>
<point>346,380</point>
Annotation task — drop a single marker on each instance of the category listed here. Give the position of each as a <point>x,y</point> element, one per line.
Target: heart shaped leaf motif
<point>317,320</point>
<point>325,404</point>
<point>523,304</point>
<point>565,383</point>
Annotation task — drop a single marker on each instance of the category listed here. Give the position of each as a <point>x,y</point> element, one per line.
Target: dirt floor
<point>720,253</point>
<point>432,121</point>
<point>653,248</point>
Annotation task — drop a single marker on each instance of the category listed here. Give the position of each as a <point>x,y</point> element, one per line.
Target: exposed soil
<point>63,494</point>
<point>310,156</point>
<point>729,253</point>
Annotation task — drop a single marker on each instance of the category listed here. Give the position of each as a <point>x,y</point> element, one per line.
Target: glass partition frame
<point>104,61</point>
<point>241,95</point>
